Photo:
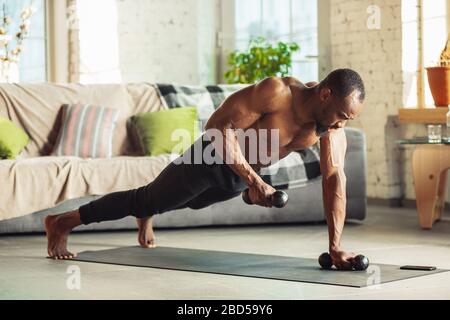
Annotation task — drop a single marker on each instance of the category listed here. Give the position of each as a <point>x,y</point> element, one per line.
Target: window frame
<point>226,37</point>
<point>421,113</point>
<point>448,16</point>
<point>421,104</point>
<point>57,41</point>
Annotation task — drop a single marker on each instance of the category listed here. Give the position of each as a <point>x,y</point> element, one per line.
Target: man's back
<point>264,112</point>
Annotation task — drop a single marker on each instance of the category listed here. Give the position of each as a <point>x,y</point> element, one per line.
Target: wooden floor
<point>389,236</point>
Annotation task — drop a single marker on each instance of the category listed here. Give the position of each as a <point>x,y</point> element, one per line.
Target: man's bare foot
<point>57,229</point>
<point>146,236</point>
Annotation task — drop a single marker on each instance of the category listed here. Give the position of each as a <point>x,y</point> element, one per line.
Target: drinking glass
<point>434,133</point>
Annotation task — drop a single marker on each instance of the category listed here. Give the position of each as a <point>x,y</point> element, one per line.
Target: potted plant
<point>261,60</point>
<point>439,78</point>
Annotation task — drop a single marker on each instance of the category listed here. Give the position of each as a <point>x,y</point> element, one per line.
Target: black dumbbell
<point>325,261</point>
<point>359,263</point>
<point>279,199</point>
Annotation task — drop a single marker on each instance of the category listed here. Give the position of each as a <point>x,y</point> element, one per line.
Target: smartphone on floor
<point>419,268</point>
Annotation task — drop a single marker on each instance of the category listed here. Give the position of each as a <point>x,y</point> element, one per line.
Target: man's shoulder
<point>286,81</point>
<point>280,82</point>
<point>271,83</point>
<point>312,84</point>
<point>272,88</point>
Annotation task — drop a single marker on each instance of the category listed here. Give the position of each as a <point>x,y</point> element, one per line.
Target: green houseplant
<point>439,78</point>
<point>259,61</point>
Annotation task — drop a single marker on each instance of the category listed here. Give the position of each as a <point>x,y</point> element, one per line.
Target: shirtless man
<point>303,114</point>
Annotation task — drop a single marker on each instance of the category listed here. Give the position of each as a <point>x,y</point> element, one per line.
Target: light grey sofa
<point>305,204</point>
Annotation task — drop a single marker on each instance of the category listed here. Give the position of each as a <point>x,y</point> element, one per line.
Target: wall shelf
<point>423,116</point>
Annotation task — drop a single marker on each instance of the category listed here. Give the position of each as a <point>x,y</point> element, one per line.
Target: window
<point>33,62</point>
<point>99,42</point>
<point>282,20</point>
<point>422,48</point>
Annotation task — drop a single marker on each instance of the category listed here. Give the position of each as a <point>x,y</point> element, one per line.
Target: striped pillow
<point>86,131</point>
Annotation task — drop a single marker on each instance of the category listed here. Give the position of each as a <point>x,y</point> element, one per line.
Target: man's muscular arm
<point>240,111</point>
<point>333,148</point>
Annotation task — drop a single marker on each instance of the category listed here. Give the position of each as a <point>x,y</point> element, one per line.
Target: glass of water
<point>434,133</point>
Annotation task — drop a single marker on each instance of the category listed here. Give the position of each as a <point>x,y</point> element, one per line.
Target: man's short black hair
<point>342,82</point>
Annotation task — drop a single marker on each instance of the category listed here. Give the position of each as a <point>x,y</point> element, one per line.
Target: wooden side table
<point>430,164</point>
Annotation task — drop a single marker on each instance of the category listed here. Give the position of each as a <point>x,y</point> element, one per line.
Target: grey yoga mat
<point>249,265</point>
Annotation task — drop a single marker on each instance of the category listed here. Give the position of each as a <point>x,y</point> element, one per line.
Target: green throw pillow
<point>12,139</point>
<point>168,131</point>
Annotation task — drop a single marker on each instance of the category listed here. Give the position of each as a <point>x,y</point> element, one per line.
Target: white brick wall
<point>376,55</point>
<point>167,41</point>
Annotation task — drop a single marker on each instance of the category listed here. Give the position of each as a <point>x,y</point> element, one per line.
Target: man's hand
<point>260,193</point>
<point>342,260</point>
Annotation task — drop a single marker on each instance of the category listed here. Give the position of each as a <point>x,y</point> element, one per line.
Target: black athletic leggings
<point>178,186</point>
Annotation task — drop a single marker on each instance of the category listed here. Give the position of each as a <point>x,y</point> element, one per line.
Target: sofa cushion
<point>205,98</point>
<point>36,108</point>
<point>12,139</point>
<point>86,131</point>
<point>156,131</point>
<point>33,184</point>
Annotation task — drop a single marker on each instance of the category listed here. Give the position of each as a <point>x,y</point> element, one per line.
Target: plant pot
<point>439,81</point>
